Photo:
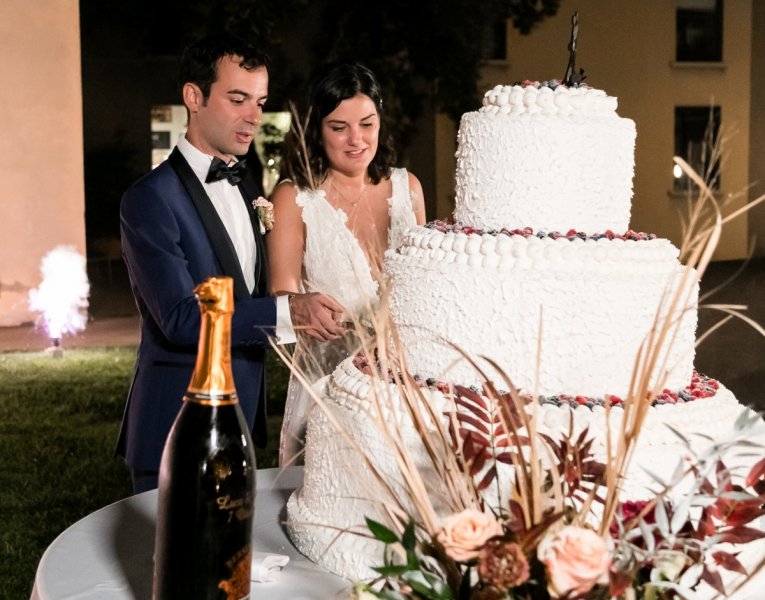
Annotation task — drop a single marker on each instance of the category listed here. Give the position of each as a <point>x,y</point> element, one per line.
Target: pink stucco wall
<point>42,200</point>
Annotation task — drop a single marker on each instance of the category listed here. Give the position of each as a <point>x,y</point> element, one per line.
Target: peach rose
<point>575,559</point>
<point>464,534</point>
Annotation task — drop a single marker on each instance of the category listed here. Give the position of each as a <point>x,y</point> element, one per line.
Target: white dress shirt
<point>227,200</point>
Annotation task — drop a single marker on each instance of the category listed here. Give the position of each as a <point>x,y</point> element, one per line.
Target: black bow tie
<point>220,170</point>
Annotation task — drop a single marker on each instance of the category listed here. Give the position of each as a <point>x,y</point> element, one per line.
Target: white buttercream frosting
<point>340,491</point>
<point>550,169</point>
<point>595,302</point>
<point>544,99</point>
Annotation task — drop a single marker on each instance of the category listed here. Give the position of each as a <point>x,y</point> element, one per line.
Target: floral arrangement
<point>651,548</point>
<point>265,212</point>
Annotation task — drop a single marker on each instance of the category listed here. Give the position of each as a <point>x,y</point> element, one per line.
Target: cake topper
<point>572,78</point>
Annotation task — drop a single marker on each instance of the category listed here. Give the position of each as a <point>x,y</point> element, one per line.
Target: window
<point>699,30</point>
<point>269,143</point>
<point>168,123</point>
<point>160,140</point>
<point>696,132</point>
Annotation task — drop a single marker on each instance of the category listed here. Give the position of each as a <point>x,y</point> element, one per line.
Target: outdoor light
<point>62,297</point>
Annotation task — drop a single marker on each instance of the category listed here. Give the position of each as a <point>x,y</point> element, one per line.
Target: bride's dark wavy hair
<point>333,84</point>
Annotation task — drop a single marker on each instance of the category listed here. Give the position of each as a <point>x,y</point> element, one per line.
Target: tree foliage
<point>433,47</point>
<point>426,54</point>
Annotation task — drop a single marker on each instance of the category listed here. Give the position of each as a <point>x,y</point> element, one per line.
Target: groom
<point>190,219</point>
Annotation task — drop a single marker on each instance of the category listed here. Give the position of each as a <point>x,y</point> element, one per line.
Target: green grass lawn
<point>59,419</point>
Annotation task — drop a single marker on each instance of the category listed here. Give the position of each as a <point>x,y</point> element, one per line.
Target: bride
<point>335,217</point>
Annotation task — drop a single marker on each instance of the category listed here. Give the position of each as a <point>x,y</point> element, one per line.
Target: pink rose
<point>575,559</point>
<point>464,534</point>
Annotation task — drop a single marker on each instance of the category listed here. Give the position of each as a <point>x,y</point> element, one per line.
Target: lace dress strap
<point>401,209</point>
<point>304,196</point>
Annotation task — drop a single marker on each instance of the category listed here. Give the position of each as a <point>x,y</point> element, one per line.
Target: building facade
<point>639,52</point>
<point>42,197</point>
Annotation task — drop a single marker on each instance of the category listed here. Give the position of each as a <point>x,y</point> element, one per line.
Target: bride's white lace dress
<point>334,264</point>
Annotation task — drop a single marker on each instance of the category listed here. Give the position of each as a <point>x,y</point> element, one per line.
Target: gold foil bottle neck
<point>213,381</point>
<point>216,295</point>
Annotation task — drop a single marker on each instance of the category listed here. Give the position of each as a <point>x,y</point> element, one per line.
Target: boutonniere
<point>265,212</point>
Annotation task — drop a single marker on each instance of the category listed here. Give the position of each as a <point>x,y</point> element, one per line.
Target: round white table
<point>108,554</point>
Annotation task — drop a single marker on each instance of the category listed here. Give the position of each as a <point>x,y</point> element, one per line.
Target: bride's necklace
<point>353,203</point>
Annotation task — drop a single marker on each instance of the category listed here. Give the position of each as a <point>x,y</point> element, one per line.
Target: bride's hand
<point>314,315</point>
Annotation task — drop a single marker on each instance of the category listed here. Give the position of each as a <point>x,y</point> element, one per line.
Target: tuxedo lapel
<point>250,191</point>
<point>216,231</point>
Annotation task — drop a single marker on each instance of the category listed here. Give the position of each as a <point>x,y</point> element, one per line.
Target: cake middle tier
<point>593,301</point>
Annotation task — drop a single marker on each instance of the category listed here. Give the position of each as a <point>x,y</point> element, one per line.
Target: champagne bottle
<point>207,473</point>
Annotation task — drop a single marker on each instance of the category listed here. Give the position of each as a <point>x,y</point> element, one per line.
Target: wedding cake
<point>539,273</point>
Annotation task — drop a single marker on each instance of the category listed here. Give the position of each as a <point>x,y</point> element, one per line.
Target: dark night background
<point>426,55</point>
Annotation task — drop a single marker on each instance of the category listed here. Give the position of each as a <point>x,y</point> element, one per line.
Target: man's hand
<point>317,315</point>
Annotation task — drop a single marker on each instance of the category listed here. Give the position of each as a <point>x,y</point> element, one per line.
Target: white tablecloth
<point>108,554</point>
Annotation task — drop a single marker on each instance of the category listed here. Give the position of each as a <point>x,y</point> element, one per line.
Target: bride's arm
<point>285,241</point>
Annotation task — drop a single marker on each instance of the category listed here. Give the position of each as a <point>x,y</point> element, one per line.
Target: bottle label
<point>237,587</point>
<point>241,508</point>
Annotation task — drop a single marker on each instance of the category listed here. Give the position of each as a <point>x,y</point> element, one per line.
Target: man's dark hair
<point>199,63</point>
<point>333,84</point>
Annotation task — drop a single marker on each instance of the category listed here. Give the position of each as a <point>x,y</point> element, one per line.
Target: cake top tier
<point>548,97</point>
<point>547,156</point>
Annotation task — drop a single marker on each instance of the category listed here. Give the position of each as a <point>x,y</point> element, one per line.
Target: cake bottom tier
<point>326,517</point>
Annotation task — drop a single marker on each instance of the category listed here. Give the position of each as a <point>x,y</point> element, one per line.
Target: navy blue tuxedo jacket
<point>172,240</point>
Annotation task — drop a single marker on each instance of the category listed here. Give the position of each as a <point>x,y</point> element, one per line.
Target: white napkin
<point>265,566</point>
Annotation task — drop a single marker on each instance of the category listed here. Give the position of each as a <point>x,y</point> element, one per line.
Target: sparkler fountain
<point>62,297</point>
